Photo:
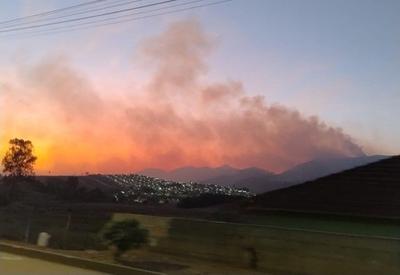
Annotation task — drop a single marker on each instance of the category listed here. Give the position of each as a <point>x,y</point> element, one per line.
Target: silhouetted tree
<point>19,159</point>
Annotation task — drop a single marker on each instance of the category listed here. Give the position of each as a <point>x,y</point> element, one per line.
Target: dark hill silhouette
<point>89,182</point>
<point>259,180</point>
<point>322,167</point>
<point>190,173</point>
<point>372,190</point>
<point>253,178</point>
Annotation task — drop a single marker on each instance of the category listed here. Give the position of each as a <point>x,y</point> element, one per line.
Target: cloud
<point>176,118</point>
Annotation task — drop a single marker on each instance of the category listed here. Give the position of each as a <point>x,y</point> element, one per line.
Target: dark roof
<point>372,190</point>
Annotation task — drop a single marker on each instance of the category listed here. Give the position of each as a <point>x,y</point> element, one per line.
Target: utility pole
<point>28,229</point>
<point>67,226</point>
<point>28,225</point>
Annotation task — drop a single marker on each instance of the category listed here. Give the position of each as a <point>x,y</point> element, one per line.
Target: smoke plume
<point>177,118</point>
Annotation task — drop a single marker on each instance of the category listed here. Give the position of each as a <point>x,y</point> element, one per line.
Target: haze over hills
<point>190,173</point>
<point>372,189</point>
<point>259,180</point>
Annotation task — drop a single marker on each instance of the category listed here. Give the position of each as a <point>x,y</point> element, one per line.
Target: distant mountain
<point>322,167</point>
<point>311,170</point>
<point>258,180</point>
<point>372,189</point>
<point>253,178</point>
<point>189,173</point>
<point>238,175</point>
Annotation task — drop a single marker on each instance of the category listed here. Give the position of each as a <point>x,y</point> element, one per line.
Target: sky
<point>267,83</point>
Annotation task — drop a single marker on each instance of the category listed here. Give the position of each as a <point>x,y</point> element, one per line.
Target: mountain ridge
<point>259,180</point>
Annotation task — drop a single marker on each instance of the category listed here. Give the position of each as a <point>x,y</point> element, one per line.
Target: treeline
<point>62,189</point>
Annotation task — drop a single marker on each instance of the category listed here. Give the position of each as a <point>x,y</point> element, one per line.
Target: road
<point>11,264</point>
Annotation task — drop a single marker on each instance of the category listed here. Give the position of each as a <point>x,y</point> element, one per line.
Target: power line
<point>50,32</point>
<point>101,23</point>
<point>82,11</point>
<point>112,19</point>
<point>87,17</point>
<point>51,11</point>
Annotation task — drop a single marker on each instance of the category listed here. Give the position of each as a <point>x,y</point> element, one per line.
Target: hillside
<point>322,167</point>
<point>189,173</point>
<point>255,179</point>
<point>118,188</point>
<point>259,180</point>
<point>372,190</point>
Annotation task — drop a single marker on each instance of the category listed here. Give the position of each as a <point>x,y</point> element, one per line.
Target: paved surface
<point>11,264</point>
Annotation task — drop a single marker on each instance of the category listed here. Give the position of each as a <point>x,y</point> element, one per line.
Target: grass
<point>330,223</point>
<point>284,250</point>
<point>81,233</point>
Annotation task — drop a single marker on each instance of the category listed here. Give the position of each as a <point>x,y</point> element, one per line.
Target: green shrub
<point>125,235</point>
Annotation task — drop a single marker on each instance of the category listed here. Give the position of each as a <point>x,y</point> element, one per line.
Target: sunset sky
<point>267,83</point>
